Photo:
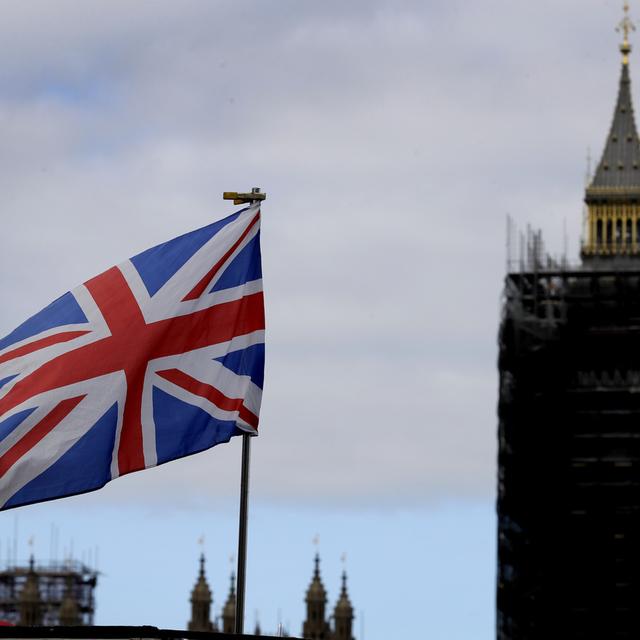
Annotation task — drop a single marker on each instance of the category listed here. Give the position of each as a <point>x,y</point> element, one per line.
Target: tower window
<point>627,235</point>
<point>614,138</point>
<point>609,232</point>
<point>599,232</point>
<point>606,167</point>
<point>620,166</point>
<point>618,231</point>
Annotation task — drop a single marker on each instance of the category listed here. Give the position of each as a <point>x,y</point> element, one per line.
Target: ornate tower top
<point>30,601</point>
<point>316,591</point>
<point>626,25</point>
<point>315,625</point>
<point>201,600</point>
<point>343,606</point>
<point>613,195</point>
<point>229,609</point>
<point>201,591</point>
<point>618,169</point>
<point>343,613</point>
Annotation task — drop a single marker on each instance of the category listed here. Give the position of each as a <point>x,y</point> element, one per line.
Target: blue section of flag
<point>8,425</point>
<point>245,267</point>
<point>64,310</point>
<point>182,429</point>
<point>7,379</point>
<point>246,362</point>
<point>158,264</point>
<point>84,467</point>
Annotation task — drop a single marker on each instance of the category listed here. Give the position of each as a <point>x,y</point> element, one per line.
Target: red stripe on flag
<point>198,388</point>
<point>38,432</point>
<point>40,344</point>
<point>199,289</point>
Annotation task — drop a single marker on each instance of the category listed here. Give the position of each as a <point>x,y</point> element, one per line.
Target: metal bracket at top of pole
<point>244,198</point>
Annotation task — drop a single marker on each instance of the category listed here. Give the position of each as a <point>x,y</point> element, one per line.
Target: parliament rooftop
<point>569,414</point>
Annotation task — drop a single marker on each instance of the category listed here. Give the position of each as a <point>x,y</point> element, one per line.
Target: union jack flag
<point>155,359</point>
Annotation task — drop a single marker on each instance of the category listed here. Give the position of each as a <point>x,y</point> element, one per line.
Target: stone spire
<point>201,600</point>
<point>613,196</point>
<point>229,609</point>
<point>315,626</point>
<point>343,614</point>
<point>30,601</point>
<point>618,167</point>
<point>69,610</point>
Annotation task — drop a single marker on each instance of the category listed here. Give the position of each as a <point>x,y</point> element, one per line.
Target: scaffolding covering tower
<point>569,455</point>
<point>48,595</point>
<point>569,416</point>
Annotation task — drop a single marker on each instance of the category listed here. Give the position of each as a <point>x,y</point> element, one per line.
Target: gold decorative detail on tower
<point>626,25</point>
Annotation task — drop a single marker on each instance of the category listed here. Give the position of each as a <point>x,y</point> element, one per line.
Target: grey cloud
<point>392,137</point>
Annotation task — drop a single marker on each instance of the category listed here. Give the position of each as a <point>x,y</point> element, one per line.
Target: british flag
<point>155,359</point>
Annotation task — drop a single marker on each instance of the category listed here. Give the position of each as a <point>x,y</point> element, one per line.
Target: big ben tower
<point>569,416</point>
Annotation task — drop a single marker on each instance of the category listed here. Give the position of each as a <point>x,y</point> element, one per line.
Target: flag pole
<point>242,532</point>
<point>243,198</point>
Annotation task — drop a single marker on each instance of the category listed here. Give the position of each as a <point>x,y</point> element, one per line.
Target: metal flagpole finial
<point>625,26</point>
<point>244,198</point>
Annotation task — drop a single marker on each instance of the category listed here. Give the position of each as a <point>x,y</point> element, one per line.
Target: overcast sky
<point>392,137</point>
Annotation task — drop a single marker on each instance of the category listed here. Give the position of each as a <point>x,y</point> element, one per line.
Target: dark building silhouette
<point>569,417</point>
<point>53,594</point>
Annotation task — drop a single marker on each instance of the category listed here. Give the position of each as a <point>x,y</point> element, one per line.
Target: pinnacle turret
<point>229,609</point>
<point>343,613</point>
<point>315,626</point>
<point>30,600</point>
<point>69,610</point>
<point>201,600</point>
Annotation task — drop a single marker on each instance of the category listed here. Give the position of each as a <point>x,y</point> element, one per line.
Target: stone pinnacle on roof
<point>316,591</point>
<point>343,606</point>
<point>69,611</point>
<point>230,605</point>
<point>201,591</point>
<point>229,609</point>
<point>201,599</point>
